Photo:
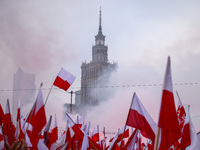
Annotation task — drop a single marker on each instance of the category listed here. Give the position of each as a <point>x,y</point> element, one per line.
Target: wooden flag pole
<point>92,144</point>
<point>122,137</point>
<point>48,94</point>
<point>157,137</point>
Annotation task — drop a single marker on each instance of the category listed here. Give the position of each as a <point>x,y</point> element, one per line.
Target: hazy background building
<point>24,88</point>
<point>95,75</point>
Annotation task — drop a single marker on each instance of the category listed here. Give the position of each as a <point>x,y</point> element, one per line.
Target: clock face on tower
<point>99,41</point>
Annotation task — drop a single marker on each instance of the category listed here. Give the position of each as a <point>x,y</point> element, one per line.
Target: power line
<point>111,86</point>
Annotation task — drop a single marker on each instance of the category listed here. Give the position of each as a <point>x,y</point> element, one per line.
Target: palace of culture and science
<point>95,75</point>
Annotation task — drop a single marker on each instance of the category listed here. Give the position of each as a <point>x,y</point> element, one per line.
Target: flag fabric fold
<point>37,118</point>
<point>168,122</point>
<point>139,118</point>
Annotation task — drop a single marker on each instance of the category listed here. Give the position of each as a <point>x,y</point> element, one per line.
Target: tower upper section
<point>99,50</point>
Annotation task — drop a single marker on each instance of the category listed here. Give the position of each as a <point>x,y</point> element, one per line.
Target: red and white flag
<point>8,126</point>
<point>168,121</point>
<point>130,144</point>
<point>95,134</point>
<point>18,132</point>
<point>195,143</point>
<point>79,133</point>
<point>85,143</point>
<point>121,134</point>
<point>1,140</point>
<point>37,117</point>
<point>1,115</point>
<point>185,138</point>
<point>46,132</point>
<point>139,118</point>
<point>181,114</point>
<point>54,135</point>
<point>64,79</point>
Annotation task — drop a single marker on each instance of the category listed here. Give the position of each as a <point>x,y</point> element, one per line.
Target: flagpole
<point>48,94</point>
<point>157,137</point>
<point>122,138</point>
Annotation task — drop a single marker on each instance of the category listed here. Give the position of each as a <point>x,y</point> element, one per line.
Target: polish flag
<point>41,145</point>
<point>195,143</point>
<point>8,126</point>
<point>132,140</point>
<point>64,138</point>
<point>85,143</point>
<point>1,115</point>
<point>46,131</point>
<point>1,140</point>
<point>18,132</point>
<point>139,118</point>
<point>168,121</point>
<point>54,135</point>
<point>80,135</point>
<point>37,117</point>
<point>180,112</point>
<point>64,79</point>
<point>95,134</point>
<point>185,138</point>
<point>123,133</point>
<point>78,132</point>
<point>80,121</point>
<point>139,142</point>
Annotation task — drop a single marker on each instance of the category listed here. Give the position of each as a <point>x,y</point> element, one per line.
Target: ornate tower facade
<point>95,75</point>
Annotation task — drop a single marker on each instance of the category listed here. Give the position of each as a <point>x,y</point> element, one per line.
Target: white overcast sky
<point>41,36</point>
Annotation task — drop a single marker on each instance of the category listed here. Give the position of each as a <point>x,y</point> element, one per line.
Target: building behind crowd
<point>24,88</point>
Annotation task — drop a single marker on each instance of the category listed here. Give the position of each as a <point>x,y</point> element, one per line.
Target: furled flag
<point>139,118</point>
<point>64,79</point>
<point>18,132</point>
<point>46,131</point>
<point>168,125</point>
<point>54,135</point>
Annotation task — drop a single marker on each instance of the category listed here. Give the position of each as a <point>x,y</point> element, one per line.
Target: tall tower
<point>95,74</point>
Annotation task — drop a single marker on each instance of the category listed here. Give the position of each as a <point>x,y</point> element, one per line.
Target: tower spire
<point>100,28</point>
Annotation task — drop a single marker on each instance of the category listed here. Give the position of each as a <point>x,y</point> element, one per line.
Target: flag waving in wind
<point>64,79</point>
<point>168,121</point>
<point>139,118</point>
